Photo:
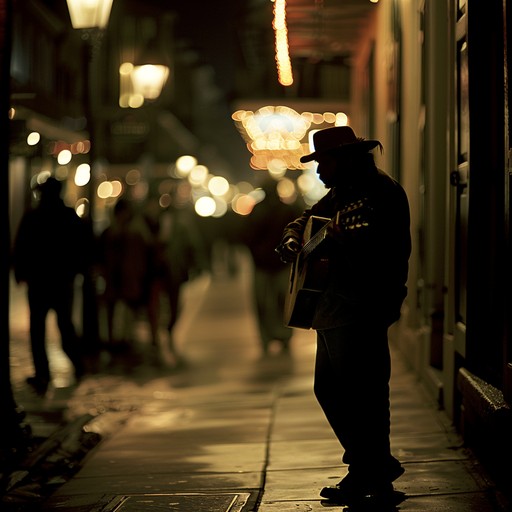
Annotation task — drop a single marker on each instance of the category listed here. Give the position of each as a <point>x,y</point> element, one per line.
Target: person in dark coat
<point>367,249</point>
<point>261,233</point>
<point>50,250</point>
<point>131,266</point>
<point>113,249</point>
<point>184,258</point>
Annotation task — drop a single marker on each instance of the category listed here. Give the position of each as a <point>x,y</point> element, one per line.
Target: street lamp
<point>91,17</point>
<point>146,76</point>
<point>149,80</point>
<point>86,14</point>
<point>138,83</point>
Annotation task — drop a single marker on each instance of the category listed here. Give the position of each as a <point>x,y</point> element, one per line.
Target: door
<point>460,183</point>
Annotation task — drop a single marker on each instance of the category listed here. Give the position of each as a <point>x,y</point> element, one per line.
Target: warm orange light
<point>149,79</point>
<point>276,136</point>
<point>89,13</point>
<point>284,66</point>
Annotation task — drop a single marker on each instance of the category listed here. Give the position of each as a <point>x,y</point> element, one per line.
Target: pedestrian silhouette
<point>270,278</point>
<point>185,257</point>
<point>51,248</point>
<point>148,226</point>
<point>113,247</point>
<point>364,247</point>
<point>130,266</point>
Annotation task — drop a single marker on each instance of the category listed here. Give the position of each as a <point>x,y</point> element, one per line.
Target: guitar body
<point>308,276</point>
<point>309,272</point>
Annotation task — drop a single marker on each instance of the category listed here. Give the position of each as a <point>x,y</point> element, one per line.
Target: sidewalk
<point>234,432</point>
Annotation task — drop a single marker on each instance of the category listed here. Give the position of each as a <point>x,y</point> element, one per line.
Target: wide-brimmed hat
<point>340,138</point>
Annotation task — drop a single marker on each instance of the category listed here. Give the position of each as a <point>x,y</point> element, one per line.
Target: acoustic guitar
<point>309,272</point>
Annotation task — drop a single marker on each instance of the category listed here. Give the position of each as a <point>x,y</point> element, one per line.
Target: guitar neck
<point>350,218</point>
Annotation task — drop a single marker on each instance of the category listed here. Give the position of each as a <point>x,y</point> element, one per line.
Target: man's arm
<point>291,240</point>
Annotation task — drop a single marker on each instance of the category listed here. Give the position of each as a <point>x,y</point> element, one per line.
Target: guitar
<point>309,272</point>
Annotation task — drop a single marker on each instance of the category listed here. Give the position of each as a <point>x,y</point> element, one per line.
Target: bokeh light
<point>184,164</point>
<point>218,186</point>
<point>82,175</point>
<point>198,175</point>
<point>33,138</point>
<point>64,157</point>
<point>205,206</point>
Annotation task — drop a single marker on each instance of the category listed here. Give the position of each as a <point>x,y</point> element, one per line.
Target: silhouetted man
<point>49,251</point>
<point>365,256</point>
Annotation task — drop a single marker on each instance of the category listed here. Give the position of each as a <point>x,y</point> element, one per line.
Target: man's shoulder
<point>384,179</point>
<point>68,215</point>
<point>385,176</point>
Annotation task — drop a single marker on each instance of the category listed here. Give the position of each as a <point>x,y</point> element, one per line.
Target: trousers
<point>41,299</point>
<point>351,384</point>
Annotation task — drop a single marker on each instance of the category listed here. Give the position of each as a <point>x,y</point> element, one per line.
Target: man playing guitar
<point>362,294</point>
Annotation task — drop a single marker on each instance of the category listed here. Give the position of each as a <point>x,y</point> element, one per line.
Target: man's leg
<point>331,395</point>
<point>38,312</point>
<point>63,305</point>
<point>352,386</point>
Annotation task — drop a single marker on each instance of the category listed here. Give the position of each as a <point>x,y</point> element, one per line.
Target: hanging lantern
<point>149,79</point>
<point>89,13</point>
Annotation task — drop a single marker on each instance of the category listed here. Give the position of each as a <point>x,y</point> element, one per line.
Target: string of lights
<point>283,62</point>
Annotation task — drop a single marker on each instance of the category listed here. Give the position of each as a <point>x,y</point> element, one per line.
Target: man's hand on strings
<point>289,249</point>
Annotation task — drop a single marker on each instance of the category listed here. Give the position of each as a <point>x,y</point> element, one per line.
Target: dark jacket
<point>368,264</point>
<point>51,245</point>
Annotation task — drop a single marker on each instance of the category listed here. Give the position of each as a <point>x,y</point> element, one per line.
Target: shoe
<point>350,490</point>
<point>357,494</point>
<point>38,385</point>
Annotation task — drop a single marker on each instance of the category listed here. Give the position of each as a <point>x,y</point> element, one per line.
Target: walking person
<point>132,266</point>
<point>184,258</point>
<point>261,233</point>
<point>367,249</point>
<point>113,248</point>
<point>51,248</point>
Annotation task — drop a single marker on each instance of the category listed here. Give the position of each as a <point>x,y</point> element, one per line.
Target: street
<point>227,431</point>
